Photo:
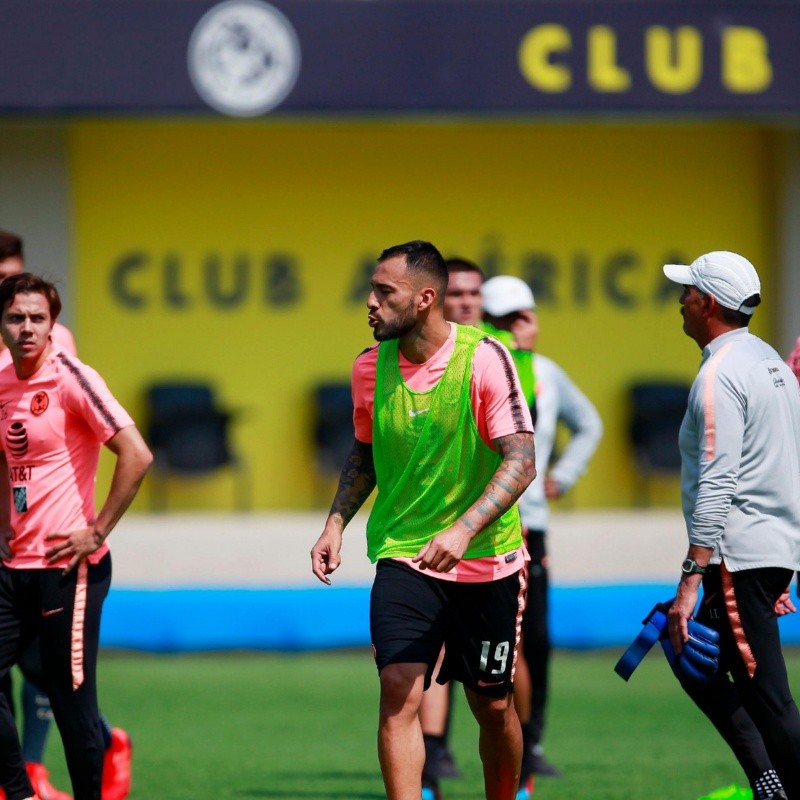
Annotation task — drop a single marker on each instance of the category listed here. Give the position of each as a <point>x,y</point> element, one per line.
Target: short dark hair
<point>26,283</point>
<point>732,316</point>
<point>10,245</point>
<point>458,264</point>
<point>421,258</point>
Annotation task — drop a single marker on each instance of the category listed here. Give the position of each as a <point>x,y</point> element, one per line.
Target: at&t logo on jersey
<point>17,439</point>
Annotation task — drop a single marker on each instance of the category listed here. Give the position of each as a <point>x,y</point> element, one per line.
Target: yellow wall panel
<point>280,217</point>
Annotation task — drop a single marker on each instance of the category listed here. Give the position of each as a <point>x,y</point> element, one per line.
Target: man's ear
<point>427,297</point>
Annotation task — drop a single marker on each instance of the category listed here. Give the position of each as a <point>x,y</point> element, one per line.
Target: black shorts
<point>413,615</point>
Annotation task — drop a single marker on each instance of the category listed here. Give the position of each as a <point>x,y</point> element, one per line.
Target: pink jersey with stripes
<point>62,339</point>
<point>52,426</point>
<point>492,389</point>
<point>498,407</point>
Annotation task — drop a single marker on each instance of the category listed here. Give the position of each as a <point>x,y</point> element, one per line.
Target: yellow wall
<point>610,203</point>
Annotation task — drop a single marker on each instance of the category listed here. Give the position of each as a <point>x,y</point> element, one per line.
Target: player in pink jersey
<point>442,432</point>
<point>55,414</point>
<point>37,714</point>
<point>793,359</point>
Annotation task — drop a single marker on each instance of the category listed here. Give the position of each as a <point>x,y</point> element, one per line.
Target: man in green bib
<point>444,433</point>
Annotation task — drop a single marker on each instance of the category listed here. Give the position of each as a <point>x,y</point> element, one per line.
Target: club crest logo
<point>244,57</point>
<point>39,403</point>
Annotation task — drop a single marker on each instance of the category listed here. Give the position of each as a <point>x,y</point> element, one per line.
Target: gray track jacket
<point>740,450</point>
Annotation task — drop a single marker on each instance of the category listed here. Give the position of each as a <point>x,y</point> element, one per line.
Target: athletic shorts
<point>413,615</point>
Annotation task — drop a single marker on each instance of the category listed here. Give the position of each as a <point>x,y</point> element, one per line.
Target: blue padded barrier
<point>184,620</point>
<point>177,620</point>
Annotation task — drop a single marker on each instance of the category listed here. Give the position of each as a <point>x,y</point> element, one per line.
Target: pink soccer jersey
<point>497,401</point>
<point>52,427</point>
<point>498,407</point>
<point>794,359</point>
<point>62,339</point>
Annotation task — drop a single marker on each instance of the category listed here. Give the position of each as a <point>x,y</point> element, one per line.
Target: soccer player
<point>508,304</point>
<point>443,433</point>
<point>36,711</point>
<point>463,303</point>
<point>55,413</point>
<point>740,462</point>
<point>793,359</point>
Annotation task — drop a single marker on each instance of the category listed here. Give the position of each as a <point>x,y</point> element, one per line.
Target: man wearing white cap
<point>509,308</point>
<point>740,482</point>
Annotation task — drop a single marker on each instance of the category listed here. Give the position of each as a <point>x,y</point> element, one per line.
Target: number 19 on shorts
<point>497,660</point>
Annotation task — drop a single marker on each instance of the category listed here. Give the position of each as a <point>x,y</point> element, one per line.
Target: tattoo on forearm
<point>510,480</point>
<point>356,482</point>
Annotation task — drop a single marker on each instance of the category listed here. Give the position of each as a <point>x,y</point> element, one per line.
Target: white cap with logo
<point>505,294</point>
<point>728,277</point>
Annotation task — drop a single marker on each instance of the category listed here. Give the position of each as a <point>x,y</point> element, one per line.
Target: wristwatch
<point>691,567</point>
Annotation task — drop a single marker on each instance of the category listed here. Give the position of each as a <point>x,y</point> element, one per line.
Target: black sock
<point>433,746</point>
<point>530,740</point>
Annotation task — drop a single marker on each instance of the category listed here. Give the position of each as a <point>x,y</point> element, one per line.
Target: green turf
<point>287,727</point>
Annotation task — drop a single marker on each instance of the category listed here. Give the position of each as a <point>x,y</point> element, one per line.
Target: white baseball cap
<point>504,294</point>
<point>728,277</point>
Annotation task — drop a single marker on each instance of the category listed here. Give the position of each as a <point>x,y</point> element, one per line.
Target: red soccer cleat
<point>117,766</point>
<point>40,780</point>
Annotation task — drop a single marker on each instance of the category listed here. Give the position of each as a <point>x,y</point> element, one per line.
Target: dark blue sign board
<point>249,58</point>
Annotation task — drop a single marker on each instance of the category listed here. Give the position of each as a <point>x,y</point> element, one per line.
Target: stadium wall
<point>34,199</point>
<point>240,253</point>
<point>174,592</point>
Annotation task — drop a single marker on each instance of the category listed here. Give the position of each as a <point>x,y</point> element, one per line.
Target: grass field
<point>291,727</point>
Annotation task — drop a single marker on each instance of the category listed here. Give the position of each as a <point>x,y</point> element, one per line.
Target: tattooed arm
<point>509,481</point>
<point>356,482</point>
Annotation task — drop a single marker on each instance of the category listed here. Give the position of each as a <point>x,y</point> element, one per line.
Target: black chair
<point>657,410</point>
<point>189,435</point>
<point>332,435</point>
<point>333,425</point>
